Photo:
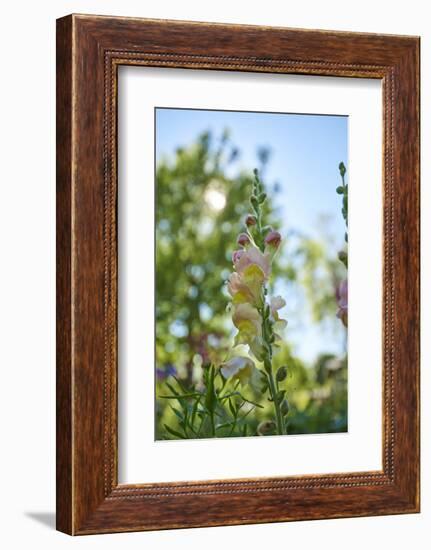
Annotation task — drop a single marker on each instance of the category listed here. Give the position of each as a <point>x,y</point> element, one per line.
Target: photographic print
<point>206,244</point>
<point>251,255</point>
<point>209,230</point>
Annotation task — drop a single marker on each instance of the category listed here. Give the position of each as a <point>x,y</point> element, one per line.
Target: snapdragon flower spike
<point>257,322</point>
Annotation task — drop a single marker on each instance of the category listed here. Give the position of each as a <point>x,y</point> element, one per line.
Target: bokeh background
<point>204,169</point>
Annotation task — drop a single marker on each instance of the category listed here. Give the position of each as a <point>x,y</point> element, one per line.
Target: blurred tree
<point>196,203</point>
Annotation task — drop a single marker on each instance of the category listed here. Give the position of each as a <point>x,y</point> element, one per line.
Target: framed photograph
<point>237,274</point>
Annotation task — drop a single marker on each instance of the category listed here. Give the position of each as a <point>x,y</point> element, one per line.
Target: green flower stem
<point>273,393</point>
<point>267,337</point>
<point>257,201</point>
<point>343,190</point>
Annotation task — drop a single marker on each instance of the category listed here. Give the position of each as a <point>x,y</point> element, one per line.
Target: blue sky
<point>305,153</point>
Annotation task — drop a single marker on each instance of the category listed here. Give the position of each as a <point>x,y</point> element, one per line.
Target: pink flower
<point>239,291</point>
<point>252,269</point>
<point>254,256</point>
<point>342,300</point>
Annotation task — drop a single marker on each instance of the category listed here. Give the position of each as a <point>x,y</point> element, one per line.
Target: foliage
<point>212,411</point>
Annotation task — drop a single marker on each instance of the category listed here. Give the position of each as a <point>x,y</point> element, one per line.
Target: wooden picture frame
<point>89,52</point>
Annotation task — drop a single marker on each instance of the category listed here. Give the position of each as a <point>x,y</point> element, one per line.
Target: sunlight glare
<point>215,199</point>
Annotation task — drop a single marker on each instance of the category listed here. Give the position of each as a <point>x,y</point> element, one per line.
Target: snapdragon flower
<point>246,285</point>
<point>239,368</point>
<point>256,319</point>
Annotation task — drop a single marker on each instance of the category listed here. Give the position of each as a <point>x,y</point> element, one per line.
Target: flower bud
<point>342,169</point>
<point>284,407</point>
<point>243,239</point>
<point>273,239</point>
<point>266,427</point>
<point>281,374</point>
<point>250,220</point>
<point>342,256</point>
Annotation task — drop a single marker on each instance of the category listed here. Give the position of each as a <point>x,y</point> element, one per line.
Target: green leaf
<point>225,425</point>
<point>223,380</point>
<point>178,396</point>
<point>250,401</point>
<point>210,396</point>
<point>232,408</point>
<point>194,411</point>
<point>174,432</point>
<point>173,390</point>
<point>178,413</point>
<point>181,385</point>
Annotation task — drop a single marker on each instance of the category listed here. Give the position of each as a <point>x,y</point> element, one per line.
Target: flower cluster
<point>247,287</point>
<point>257,321</point>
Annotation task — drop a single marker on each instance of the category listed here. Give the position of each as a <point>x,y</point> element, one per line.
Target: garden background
<point>204,172</point>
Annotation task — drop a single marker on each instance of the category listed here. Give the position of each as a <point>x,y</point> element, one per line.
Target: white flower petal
<point>277,302</point>
<point>234,365</point>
